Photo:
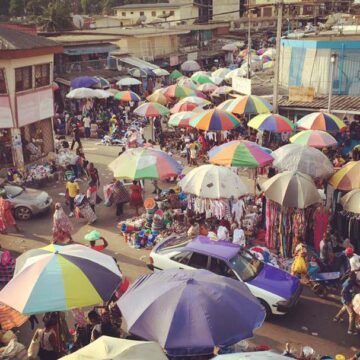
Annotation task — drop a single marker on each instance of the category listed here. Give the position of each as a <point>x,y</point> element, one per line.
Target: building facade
<point>26,97</point>
<point>308,62</point>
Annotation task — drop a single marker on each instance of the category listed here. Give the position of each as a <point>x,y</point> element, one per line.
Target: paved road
<point>309,324</point>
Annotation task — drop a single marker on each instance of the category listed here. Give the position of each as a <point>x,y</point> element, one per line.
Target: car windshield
<point>247,267</point>
<point>13,191</point>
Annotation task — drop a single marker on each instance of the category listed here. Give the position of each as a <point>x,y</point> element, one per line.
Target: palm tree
<point>56,17</point>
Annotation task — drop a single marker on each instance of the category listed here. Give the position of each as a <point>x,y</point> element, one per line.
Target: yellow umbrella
<point>159,98</point>
<point>351,201</point>
<point>348,177</point>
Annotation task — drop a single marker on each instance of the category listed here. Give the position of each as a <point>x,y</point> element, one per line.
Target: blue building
<point>307,62</point>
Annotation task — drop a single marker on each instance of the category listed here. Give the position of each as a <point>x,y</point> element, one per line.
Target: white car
<point>277,290</point>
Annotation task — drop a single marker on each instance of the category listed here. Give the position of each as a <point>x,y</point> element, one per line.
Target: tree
<point>56,16</point>
<point>16,7</point>
<point>35,7</point>
<point>109,5</point>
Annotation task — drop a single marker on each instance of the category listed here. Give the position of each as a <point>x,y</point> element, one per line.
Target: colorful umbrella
<point>186,106</point>
<point>106,348</point>
<point>190,66</point>
<point>225,105</point>
<point>268,65</point>
<point>202,79</point>
<point>176,74</point>
<point>306,159</point>
<point>321,121</point>
<point>214,120</point>
<point>158,97</point>
<point>272,123</point>
<point>222,90</point>
<point>213,182</point>
<point>188,83</point>
<point>314,138</point>
<point>151,109</point>
<point>127,96</point>
<point>292,189</point>
<point>62,278</point>
<point>83,82</point>
<point>221,72</point>
<point>198,101</point>
<point>177,91</point>
<point>240,153</point>
<point>181,119</point>
<point>348,177</point>
<point>351,201</point>
<point>250,104</point>
<point>191,311</point>
<point>207,88</point>
<point>137,164</point>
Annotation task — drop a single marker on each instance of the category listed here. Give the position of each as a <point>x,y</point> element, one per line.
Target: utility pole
<point>279,6</point>
<point>249,43</point>
<point>332,71</point>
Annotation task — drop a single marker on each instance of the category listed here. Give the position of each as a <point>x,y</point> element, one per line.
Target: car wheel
<point>23,213</point>
<point>267,308</point>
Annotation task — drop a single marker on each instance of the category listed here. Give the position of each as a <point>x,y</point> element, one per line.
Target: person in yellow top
<point>72,189</point>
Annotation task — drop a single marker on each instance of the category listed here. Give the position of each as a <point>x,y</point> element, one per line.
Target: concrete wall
<point>221,6</point>
<point>149,48</point>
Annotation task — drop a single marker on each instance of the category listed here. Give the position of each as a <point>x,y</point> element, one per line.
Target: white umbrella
<point>110,348</point>
<point>221,72</point>
<point>160,72</point>
<point>351,201</point>
<point>292,189</point>
<point>222,90</point>
<point>270,52</point>
<point>81,93</point>
<point>213,182</point>
<point>258,355</point>
<point>307,159</point>
<point>216,79</point>
<point>128,82</point>
<point>136,72</point>
<point>239,72</point>
<point>190,65</point>
<point>103,94</point>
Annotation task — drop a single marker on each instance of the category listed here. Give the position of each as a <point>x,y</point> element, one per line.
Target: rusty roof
<point>338,102</point>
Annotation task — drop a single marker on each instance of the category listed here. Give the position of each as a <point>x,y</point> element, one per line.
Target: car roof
<point>220,249</point>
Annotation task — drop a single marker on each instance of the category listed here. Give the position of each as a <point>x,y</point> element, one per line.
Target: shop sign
<point>34,106</point>
<point>241,85</point>
<point>6,119</point>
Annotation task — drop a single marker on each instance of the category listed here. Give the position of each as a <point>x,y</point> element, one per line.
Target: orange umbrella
<point>10,318</point>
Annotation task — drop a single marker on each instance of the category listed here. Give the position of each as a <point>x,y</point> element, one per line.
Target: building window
<point>42,75</point>
<point>267,12</point>
<point>172,13</point>
<point>142,13</point>
<point>23,78</point>
<point>123,13</point>
<point>132,13</point>
<point>153,13</point>
<point>2,82</point>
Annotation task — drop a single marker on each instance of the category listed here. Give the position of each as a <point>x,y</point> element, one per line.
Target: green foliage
<point>16,7</point>
<point>56,16</point>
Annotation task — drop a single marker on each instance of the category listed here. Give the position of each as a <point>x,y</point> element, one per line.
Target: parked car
<point>26,202</point>
<point>277,290</point>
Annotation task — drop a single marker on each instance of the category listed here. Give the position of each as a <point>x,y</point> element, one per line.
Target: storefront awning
<point>134,61</point>
<point>83,50</point>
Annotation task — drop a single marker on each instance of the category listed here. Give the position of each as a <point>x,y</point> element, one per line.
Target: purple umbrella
<point>188,312</point>
<point>84,81</point>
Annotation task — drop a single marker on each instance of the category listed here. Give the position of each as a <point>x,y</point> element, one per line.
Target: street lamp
<point>332,71</point>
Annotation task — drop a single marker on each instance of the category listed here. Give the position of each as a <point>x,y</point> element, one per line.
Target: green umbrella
<point>176,74</point>
<point>202,79</point>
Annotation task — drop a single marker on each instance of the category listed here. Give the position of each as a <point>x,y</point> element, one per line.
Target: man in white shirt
<point>354,261</point>
<point>87,122</point>
<point>222,233</point>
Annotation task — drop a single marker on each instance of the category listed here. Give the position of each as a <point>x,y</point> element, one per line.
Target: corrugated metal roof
<point>134,61</point>
<point>338,102</point>
<point>17,40</point>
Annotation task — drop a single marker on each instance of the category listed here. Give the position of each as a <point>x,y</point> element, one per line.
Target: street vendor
<point>94,237</point>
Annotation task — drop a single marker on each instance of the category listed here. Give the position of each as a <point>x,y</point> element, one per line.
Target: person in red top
<point>94,237</point>
<point>135,197</point>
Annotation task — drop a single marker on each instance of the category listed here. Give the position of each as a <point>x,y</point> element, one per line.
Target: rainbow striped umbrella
<point>181,119</point>
<point>198,101</point>
<point>187,83</point>
<point>321,121</point>
<point>250,104</point>
<point>62,278</point>
<point>225,105</point>
<point>202,78</point>
<point>348,177</point>
<point>272,123</point>
<point>127,96</point>
<point>240,153</point>
<point>151,109</point>
<point>214,120</point>
<point>141,163</point>
<point>314,138</point>
<point>181,107</point>
<point>177,91</point>
<point>158,97</point>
